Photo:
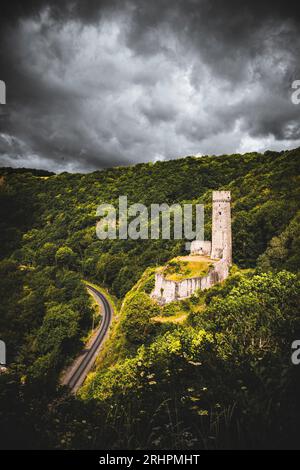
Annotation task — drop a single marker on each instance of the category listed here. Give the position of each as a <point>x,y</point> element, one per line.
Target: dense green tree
<point>138,311</point>
<point>66,257</point>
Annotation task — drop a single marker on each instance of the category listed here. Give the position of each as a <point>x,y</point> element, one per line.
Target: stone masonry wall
<point>201,247</point>
<point>166,291</point>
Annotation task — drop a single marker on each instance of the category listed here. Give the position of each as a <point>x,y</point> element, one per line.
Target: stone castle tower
<point>221,242</point>
<point>220,246</point>
<point>219,250</point>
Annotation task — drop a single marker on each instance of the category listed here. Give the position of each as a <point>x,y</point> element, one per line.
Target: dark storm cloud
<point>100,83</point>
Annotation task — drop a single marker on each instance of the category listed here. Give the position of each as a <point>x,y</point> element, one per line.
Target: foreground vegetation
<point>213,371</point>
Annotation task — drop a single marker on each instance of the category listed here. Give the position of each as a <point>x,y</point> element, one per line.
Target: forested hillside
<point>213,371</point>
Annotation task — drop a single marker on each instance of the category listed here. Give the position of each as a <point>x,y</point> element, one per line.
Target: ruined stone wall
<point>166,291</point>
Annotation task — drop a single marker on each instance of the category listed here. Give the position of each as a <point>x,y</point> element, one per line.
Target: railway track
<point>79,372</point>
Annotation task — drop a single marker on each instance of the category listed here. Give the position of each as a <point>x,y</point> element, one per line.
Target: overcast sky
<point>92,84</point>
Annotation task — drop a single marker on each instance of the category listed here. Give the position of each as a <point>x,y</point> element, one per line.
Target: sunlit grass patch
<point>179,317</point>
<point>185,267</point>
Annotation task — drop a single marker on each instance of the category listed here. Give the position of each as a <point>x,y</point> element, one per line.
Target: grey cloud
<point>103,83</point>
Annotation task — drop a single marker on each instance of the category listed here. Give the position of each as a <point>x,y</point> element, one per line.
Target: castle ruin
<point>218,250</point>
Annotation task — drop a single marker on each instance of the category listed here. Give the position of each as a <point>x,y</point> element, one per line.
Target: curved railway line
<point>81,368</point>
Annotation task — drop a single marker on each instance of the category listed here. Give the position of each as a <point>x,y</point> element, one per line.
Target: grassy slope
<point>184,267</point>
